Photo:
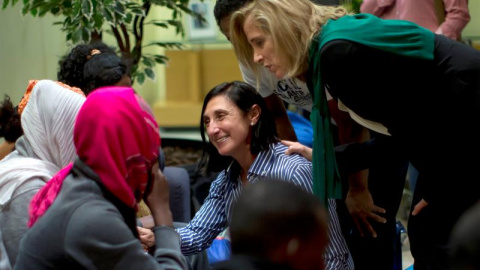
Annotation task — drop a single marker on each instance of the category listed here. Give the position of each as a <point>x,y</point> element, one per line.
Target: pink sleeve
<point>375,7</point>
<point>456,18</point>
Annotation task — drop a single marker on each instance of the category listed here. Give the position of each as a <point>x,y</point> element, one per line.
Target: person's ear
<point>255,113</point>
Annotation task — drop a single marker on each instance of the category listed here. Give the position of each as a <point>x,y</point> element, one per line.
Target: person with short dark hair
<point>267,233</point>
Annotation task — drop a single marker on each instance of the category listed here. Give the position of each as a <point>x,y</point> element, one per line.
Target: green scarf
<point>400,37</point>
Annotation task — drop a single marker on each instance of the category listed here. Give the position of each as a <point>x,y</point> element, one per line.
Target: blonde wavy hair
<point>291,24</point>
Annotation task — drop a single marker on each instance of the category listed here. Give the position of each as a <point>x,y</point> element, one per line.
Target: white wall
<point>29,49</point>
<point>473,27</point>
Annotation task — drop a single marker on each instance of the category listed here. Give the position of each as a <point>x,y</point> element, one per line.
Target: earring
<point>251,124</point>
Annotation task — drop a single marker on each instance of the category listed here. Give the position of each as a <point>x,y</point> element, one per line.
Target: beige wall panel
<point>189,76</point>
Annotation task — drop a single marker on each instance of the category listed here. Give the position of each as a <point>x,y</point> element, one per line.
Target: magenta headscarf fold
<point>117,139</point>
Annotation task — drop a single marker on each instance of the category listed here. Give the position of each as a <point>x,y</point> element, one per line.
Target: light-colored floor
<point>407,259</point>
<point>402,216</point>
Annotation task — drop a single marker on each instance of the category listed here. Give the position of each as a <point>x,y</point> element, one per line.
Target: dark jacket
<point>85,230</point>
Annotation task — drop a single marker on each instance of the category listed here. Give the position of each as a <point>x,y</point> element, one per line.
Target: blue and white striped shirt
<point>214,215</point>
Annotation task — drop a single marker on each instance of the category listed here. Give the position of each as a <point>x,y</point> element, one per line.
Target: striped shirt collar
<point>259,168</point>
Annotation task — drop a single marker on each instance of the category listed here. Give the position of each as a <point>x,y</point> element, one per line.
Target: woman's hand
<point>296,147</point>
<point>147,238</point>
<point>362,209</point>
<point>157,198</point>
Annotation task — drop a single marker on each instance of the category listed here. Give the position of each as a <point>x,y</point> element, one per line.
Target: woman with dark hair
<point>89,66</point>
<point>242,141</point>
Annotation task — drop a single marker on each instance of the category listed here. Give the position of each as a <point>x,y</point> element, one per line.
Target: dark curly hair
<point>10,127</point>
<point>224,8</point>
<point>81,69</point>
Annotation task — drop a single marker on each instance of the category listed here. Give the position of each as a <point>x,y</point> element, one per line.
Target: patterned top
<point>214,215</point>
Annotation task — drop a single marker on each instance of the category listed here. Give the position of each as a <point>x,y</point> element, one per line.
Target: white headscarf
<point>47,144</point>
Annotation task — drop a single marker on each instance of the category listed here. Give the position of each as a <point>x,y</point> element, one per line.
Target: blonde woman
<point>392,77</point>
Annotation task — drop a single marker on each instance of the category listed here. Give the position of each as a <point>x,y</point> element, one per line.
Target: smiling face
<point>263,48</point>
<point>228,127</point>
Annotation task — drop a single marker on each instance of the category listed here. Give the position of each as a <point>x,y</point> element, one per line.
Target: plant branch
<point>118,37</point>
<point>125,35</point>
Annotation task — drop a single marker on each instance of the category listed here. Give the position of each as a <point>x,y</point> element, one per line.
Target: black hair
<point>81,69</point>
<point>261,220</point>
<point>10,126</point>
<point>264,133</point>
<point>225,8</point>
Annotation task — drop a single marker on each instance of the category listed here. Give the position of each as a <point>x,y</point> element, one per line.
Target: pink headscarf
<point>117,139</point>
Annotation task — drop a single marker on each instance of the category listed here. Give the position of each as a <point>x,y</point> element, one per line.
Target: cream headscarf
<point>47,143</point>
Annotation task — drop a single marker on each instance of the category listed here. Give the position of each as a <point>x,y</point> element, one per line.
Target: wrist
<point>162,217</point>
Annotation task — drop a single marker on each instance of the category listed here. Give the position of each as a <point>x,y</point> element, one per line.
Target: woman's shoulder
<point>294,160</point>
<point>83,201</point>
<point>339,48</point>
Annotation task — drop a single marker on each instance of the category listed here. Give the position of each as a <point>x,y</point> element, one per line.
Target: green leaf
<point>163,25</point>
<point>138,11</point>
<point>5,4</point>
<point>141,78</point>
<point>77,5</point>
<point>128,18</point>
<point>120,8</point>
<point>161,59</point>
<point>132,5</point>
<point>98,19</point>
<point>33,11</point>
<point>68,21</point>
<point>150,73</point>
<point>158,2</point>
<point>67,4</point>
<point>14,2</point>
<point>175,23</point>
<point>55,10</point>
<point>25,9</point>
<point>108,15</point>
<point>167,45</point>
<point>77,35</point>
<point>148,62</point>
<point>87,8</point>
<point>86,34</point>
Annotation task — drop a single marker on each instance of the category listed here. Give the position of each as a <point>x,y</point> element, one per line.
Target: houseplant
<point>88,21</point>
